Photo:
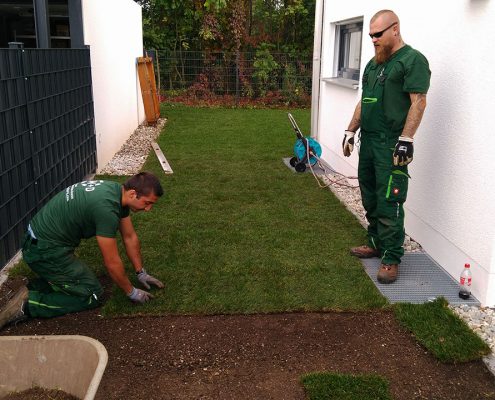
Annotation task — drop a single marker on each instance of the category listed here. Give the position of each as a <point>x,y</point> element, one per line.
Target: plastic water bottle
<point>465,282</point>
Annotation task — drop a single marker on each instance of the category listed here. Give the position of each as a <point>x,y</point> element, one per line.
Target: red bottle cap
<point>467,265</point>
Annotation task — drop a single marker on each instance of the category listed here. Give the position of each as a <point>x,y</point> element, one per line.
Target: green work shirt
<point>406,72</point>
<point>83,210</point>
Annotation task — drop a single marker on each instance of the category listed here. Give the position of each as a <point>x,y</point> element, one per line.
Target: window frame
<point>344,71</point>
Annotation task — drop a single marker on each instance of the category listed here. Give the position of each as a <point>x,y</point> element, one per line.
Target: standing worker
<point>395,83</point>
<point>83,210</point>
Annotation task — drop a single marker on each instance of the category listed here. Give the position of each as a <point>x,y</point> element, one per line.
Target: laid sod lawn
<point>330,386</point>
<point>438,329</point>
<point>239,232</point>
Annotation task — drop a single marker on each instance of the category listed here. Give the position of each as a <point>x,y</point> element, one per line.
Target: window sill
<point>348,83</point>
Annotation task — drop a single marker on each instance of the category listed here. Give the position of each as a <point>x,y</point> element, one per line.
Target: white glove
<point>146,280</point>
<point>348,143</point>
<point>139,296</point>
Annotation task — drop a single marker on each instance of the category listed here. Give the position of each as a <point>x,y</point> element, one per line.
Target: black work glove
<point>404,150</point>
<point>348,143</point>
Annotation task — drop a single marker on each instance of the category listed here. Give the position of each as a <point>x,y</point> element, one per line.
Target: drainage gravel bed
<point>133,153</point>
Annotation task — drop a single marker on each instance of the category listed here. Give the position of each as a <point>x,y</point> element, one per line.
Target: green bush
<point>265,68</point>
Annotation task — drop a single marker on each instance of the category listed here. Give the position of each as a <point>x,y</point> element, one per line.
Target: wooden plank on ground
<point>161,157</point>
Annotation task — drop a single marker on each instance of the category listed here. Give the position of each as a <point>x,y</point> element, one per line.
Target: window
<point>348,50</point>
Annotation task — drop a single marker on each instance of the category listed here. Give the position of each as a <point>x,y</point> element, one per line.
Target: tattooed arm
<point>415,114</point>
<point>356,119</point>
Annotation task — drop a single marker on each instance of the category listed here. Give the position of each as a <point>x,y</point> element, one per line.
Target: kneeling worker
<point>83,210</point>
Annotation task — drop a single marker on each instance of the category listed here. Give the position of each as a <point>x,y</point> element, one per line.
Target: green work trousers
<point>65,284</point>
<point>383,192</point>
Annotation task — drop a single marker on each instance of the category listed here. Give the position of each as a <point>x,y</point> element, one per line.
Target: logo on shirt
<point>89,186</point>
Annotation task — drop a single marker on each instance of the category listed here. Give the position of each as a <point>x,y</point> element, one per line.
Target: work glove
<point>348,143</point>
<point>146,280</point>
<point>139,296</point>
<point>404,150</point>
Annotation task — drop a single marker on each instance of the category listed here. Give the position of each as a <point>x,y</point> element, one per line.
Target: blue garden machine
<point>307,150</point>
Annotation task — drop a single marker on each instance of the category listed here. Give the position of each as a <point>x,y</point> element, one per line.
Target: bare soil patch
<point>38,393</point>
<point>260,356</point>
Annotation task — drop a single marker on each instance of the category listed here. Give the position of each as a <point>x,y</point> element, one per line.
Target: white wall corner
<point>115,43</point>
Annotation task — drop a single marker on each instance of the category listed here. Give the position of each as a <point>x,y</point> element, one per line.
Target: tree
<point>237,25</point>
<point>171,24</point>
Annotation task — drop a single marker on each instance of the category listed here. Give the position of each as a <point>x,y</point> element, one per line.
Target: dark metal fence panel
<point>246,74</point>
<point>47,138</point>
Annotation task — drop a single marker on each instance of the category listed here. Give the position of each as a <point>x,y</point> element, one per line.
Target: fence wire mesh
<point>251,75</point>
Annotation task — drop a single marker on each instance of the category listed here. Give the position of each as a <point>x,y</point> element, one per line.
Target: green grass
<point>237,231</point>
<point>438,329</point>
<point>329,386</point>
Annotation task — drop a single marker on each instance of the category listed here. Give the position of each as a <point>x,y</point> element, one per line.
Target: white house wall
<point>113,30</point>
<point>450,209</point>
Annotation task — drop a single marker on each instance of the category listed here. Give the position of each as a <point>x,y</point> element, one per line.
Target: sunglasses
<point>379,34</point>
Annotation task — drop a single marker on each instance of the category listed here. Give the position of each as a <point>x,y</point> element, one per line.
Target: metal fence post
<point>42,23</point>
<point>16,45</point>
<point>237,94</point>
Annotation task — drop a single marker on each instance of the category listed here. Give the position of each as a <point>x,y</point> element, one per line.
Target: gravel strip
<point>131,157</point>
<point>481,320</point>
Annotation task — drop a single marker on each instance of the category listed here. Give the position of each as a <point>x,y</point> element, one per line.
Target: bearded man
<point>395,83</point>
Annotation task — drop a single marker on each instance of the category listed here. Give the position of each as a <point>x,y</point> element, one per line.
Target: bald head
<point>386,16</point>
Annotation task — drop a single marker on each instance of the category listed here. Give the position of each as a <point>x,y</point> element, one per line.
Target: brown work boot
<point>13,311</point>
<point>387,273</point>
<point>365,252</point>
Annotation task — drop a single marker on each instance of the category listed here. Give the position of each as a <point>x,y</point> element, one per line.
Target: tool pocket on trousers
<point>397,186</point>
